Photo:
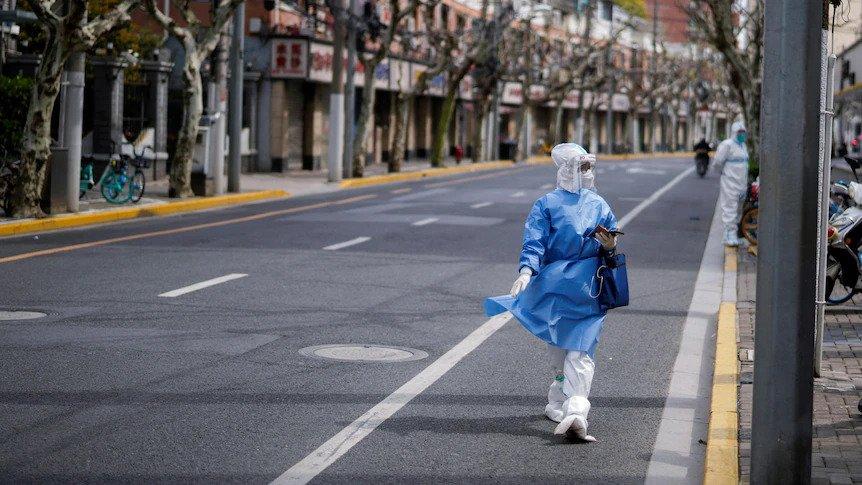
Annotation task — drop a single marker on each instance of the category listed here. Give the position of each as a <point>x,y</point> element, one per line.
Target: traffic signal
<point>269,5</point>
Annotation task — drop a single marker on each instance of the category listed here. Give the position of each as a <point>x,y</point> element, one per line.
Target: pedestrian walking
<point>731,161</point>
<point>566,234</point>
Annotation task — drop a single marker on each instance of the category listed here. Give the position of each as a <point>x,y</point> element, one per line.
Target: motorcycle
<point>844,236</point>
<point>701,161</point>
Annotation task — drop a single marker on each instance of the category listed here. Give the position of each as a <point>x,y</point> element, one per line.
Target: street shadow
<point>131,397</point>
<point>532,426</point>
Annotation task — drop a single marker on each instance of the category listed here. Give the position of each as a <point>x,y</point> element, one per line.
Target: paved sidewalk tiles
<point>837,445</point>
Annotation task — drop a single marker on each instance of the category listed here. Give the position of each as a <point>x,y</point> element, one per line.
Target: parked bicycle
<point>8,171</point>
<point>116,185</point>
<point>750,213</point>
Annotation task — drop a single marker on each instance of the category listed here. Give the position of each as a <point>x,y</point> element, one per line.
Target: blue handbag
<point>613,281</point>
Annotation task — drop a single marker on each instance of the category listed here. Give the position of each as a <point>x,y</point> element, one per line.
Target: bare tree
<point>736,32</point>
<point>419,39</point>
<point>198,41</point>
<point>398,15</point>
<point>67,30</point>
<point>463,49</point>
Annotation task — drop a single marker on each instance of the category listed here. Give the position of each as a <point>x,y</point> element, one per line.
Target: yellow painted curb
<point>421,174</point>
<point>65,221</point>
<point>538,160</point>
<point>722,446</point>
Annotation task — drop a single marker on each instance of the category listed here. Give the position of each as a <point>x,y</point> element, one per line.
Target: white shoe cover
<point>730,238</point>
<point>576,424</point>
<point>554,413</point>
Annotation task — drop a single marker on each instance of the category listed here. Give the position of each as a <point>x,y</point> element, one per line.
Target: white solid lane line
<point>519,193</point>
<point>480,205</point>
<point>547,187</point>
<point>202,285</point>
<point>352,242</point>
<point>327,453</point>
<point>330,451</point>
<point>425,222</point>
<point>400,191</point>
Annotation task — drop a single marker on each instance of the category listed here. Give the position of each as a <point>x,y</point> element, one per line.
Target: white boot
<point>556,398</point>
<point>576,409</point>
<point>730,238</point>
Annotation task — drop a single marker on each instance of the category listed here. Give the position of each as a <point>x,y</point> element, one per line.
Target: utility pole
<point>350,92</point>
<point>789,155</point>
<point>609,108</point>
<point>653,73</point>
<point>335,153</point>
<point>216,107</point>
<point>66,168</point>
<point>234,109</point>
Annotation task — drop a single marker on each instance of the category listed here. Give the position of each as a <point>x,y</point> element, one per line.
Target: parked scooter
<point>844,234</point>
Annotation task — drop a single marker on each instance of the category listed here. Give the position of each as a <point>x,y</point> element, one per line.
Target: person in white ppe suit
<point>565,236</point>
<point>732,162</point>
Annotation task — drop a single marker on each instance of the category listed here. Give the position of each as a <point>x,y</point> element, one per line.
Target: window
<point>606,10</point>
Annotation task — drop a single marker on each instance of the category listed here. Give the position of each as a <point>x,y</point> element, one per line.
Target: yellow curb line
<point>390,178</point>
<point>722,446</point>
<point>64,221</point>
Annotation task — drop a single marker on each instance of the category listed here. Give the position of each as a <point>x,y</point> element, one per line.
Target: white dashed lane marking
<point>342,245</point>
<point>425,222</point>
<point>202,285</point>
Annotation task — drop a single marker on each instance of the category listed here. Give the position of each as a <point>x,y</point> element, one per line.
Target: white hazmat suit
<point>731,160</point>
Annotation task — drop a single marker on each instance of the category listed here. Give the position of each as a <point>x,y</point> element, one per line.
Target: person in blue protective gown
<point>554,296</point>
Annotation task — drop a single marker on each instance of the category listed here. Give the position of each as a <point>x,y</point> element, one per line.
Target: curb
<point>65,221</point>
<point>421,174</point>
<point>721,464</point>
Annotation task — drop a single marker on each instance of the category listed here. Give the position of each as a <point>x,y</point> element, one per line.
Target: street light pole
<point>789,154</point>
<point>235,101</point>
<point>350,92</point>
<point>335,151</point>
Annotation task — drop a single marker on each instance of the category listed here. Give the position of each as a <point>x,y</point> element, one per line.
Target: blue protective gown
<point>556,306</point>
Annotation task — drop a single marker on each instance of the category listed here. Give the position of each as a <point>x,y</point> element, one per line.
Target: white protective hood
<point>569,157</point>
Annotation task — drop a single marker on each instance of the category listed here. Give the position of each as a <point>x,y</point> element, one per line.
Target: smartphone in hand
<point>600,229</point>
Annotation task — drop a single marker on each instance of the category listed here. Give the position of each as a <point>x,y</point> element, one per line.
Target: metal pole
<point>823,215</point>
<point>335,150</point>
<point>234,109</point>
<point>609,111</point>
<point>74,108</point>
<point>350,92</point>
<point>789,155</point>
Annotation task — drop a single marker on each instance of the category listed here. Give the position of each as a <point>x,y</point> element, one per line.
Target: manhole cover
<point>20,315</point>
<point>363,353</point>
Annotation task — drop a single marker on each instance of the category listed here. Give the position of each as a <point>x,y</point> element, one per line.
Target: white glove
<point>607,240</point>
<point>522,281</point>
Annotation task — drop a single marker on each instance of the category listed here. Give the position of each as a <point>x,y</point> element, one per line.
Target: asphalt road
<point>119,384</point>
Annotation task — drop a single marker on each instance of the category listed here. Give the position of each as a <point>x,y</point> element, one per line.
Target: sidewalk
<point>837,445</point>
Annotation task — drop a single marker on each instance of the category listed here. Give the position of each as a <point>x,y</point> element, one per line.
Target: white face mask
<point>588,180</point>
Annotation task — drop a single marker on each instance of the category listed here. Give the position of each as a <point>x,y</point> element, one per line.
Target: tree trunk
<point>632,129</point>
<point>399,139</point>
<point>479,133</point>
<point>360,140</point>
<point>36,151</point>
<point>181,165</point>
<point>519,133</point>
<point>557,133</point>
<point>442,127</point>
